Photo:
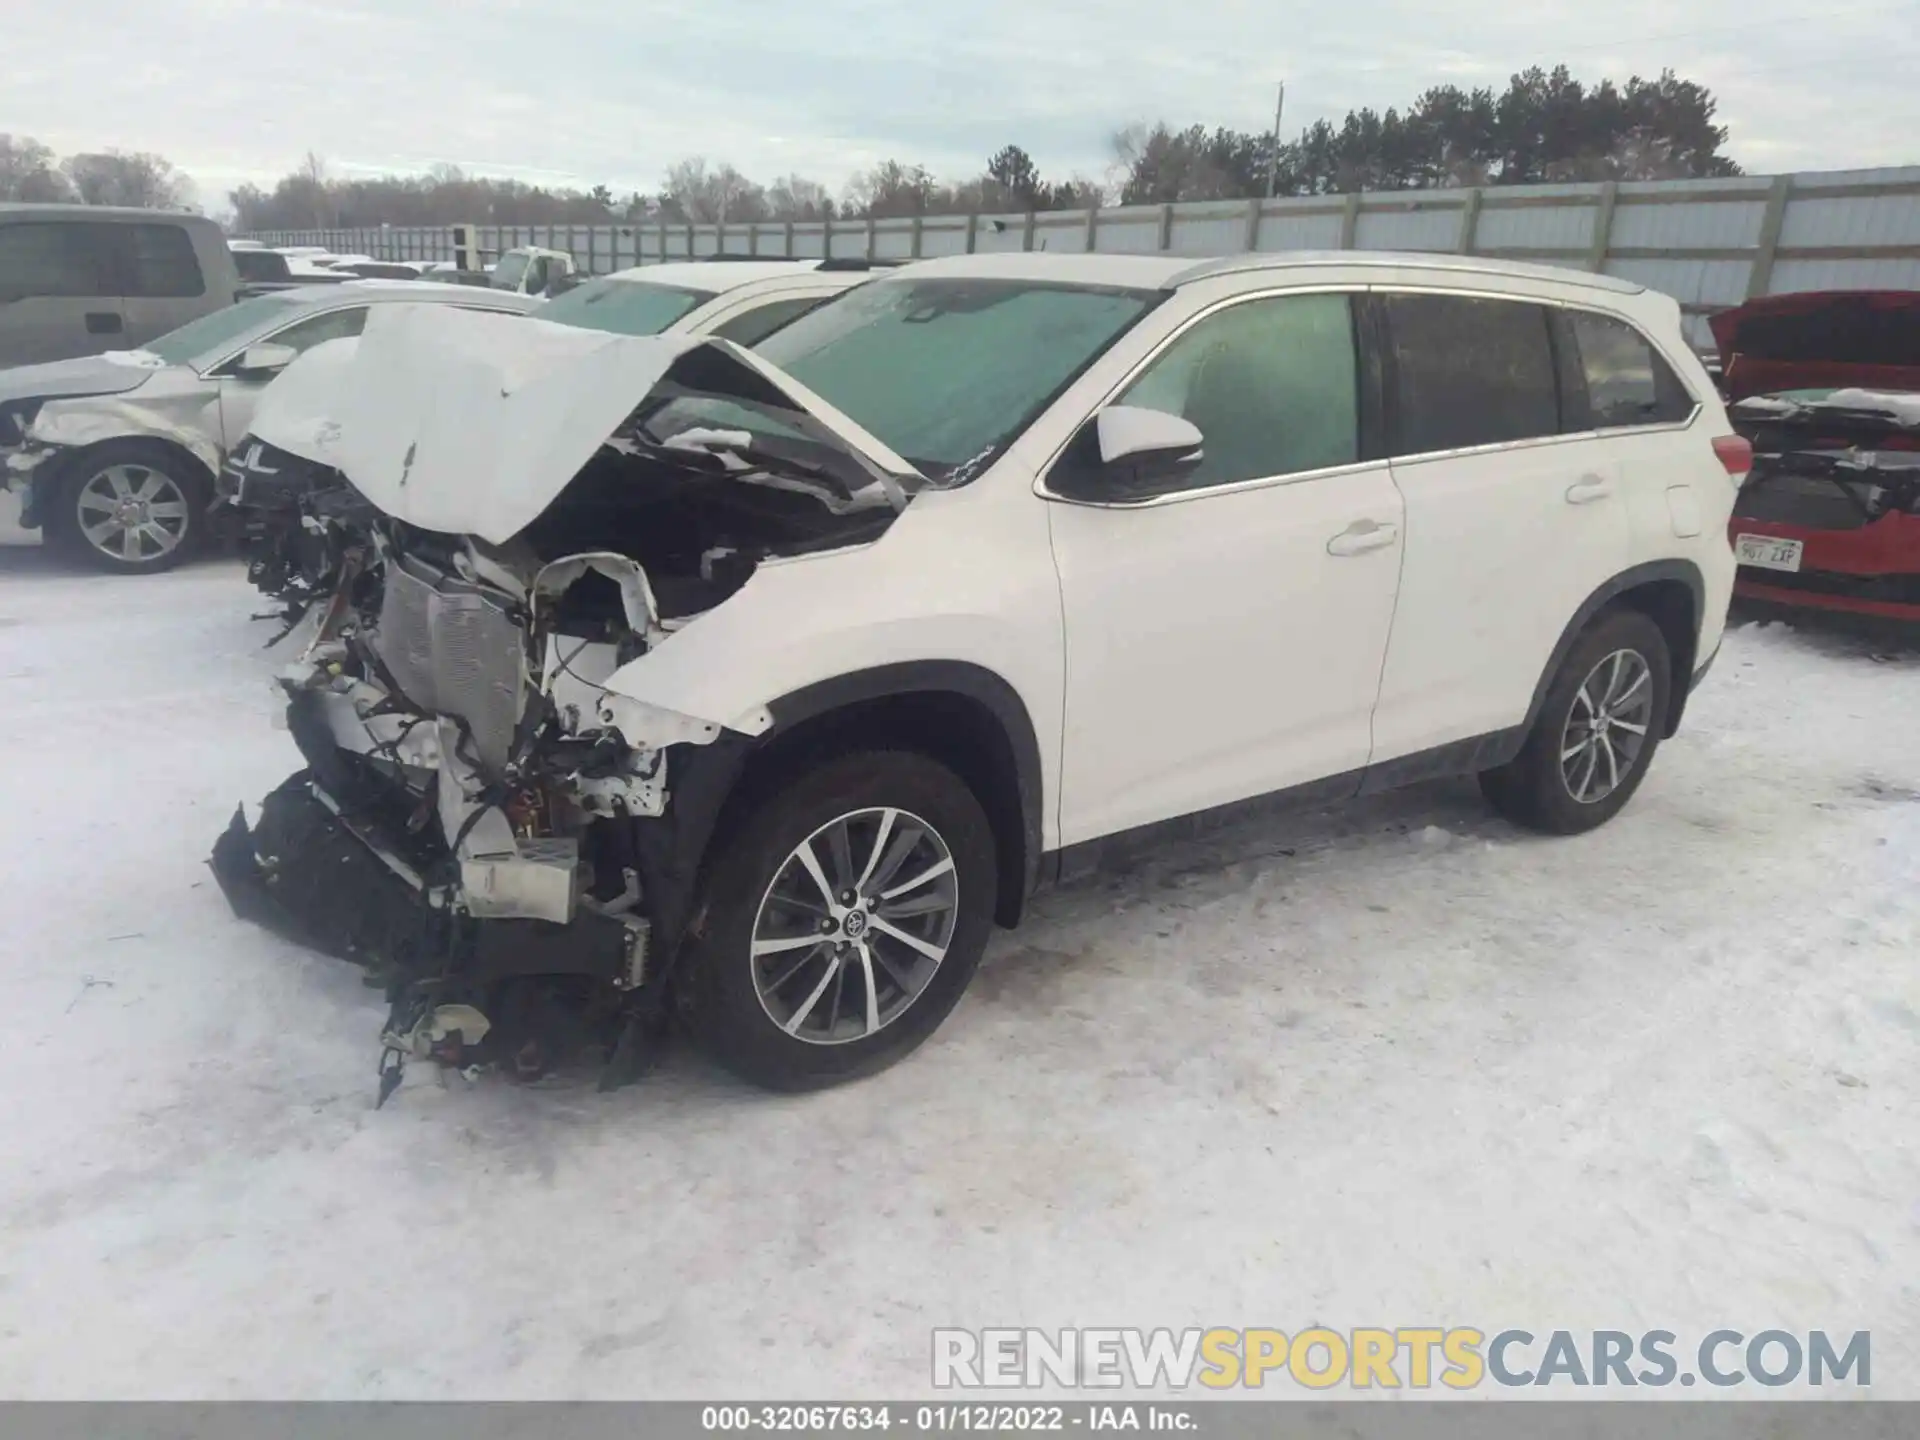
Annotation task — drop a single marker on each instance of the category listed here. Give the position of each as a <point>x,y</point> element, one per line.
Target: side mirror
<point>265,358</point>
<point>1126,454</point>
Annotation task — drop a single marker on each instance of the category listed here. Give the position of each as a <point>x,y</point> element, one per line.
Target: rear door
<point>162,286</point>
<point>1511,524</point>
<point>58,293</point>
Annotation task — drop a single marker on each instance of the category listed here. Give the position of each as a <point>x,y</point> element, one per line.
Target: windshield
<point>947,371</point>
<point>625,307</point>
<point>511,270</point>
<point>212,333</point>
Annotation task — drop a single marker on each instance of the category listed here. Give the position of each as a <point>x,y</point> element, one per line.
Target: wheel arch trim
<point>1685,572</point>
<point>961,677</point>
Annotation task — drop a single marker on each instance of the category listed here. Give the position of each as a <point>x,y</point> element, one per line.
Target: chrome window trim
<point>1417,458</point>
<point>1421,457</point>
<point>1232,487</point>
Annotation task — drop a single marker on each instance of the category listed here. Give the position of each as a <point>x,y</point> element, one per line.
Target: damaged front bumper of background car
<point>1829,517</point>
<point>490,818</point>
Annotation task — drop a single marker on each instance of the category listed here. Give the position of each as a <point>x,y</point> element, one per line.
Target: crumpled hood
<point>468,422</point>
<point>114,373</point>
<point>296,413</point>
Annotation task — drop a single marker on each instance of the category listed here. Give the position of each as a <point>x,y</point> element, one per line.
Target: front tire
<point>129,507</point>
<point>842,920</point>
<point>1596,732</point>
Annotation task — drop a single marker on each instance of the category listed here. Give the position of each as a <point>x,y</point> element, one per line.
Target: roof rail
<point>860,263</point>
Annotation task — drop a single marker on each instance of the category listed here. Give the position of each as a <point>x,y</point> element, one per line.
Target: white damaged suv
<point>758,685</point>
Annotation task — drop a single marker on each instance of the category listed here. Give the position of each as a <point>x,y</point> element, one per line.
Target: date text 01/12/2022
<point>945,1419</point>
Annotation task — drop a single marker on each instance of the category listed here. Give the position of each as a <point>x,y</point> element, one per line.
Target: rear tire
<point>1596,732</point>
<point>129,507</point>
<point>792,988</point>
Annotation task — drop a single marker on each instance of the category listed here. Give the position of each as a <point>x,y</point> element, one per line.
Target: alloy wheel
<point>1607,728</point>
<point>854,925</point>
<point>133,513</point>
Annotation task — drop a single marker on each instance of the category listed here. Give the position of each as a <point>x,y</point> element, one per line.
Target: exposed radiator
<point>454,650</point>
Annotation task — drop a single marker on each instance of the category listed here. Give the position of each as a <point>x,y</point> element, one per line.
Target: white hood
<point>296,412</point>
<point>470,422</point>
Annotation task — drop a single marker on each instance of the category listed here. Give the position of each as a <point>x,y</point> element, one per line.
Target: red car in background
<point>1827,390</point>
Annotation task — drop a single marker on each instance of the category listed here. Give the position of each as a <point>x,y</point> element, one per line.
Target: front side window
<point>1272,386</point>
<point>261,265</point>
<point>622,307</point>
<point>1626,381</point>
<point>947,371</point>
<point>1470,372</point>
<point>318,329</point>
<point>40,258</point>
<point>159,262</point>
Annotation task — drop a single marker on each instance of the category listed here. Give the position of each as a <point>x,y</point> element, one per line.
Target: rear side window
<point>1470,372</point>
<point>55,258</point>
<point>261,265</point>
<point>753,326</point>
<point>1625,382</point>
<point>1272,386</point>
<point>159,262</point>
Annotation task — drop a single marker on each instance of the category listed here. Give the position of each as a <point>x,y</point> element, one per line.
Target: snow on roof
<point>715,275</point>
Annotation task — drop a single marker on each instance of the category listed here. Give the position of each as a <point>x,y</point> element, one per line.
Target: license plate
<point>1764,552</point>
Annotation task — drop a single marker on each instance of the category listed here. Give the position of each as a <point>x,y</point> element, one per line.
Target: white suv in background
<point>742,300</point>
<point>807,664</point>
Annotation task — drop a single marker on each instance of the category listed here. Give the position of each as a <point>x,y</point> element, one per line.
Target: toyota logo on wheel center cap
<point>855,924</point>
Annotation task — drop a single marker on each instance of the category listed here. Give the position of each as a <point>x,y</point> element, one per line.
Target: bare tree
<point>710,197</point>
<point>28,172</point>
<point>794,197</point>
<point>113,177</point>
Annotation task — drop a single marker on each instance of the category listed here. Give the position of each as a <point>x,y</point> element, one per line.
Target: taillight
<point>1735,453</point>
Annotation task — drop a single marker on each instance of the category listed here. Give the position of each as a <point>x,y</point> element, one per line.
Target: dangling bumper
<point>336,884</point>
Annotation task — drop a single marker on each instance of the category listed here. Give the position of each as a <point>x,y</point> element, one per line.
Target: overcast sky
<point>578,92</point>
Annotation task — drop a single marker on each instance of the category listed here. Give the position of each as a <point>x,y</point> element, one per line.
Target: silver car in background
<point>114,456</point>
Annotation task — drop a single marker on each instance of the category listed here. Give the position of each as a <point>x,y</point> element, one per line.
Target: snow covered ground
<point>1402,1066</point>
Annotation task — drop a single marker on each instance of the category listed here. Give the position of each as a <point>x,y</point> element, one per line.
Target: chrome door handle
<point>1362,536</point>
<point>1589,488</point>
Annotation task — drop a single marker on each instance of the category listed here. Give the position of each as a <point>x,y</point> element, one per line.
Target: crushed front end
<point>488,818</point>
<point>462,826</point>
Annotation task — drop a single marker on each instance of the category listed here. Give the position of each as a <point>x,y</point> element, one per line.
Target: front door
<point>1224,638</point>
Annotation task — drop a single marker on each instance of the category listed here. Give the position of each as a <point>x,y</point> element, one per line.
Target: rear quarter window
<point>1615,378</point>
<point>159,262</point>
